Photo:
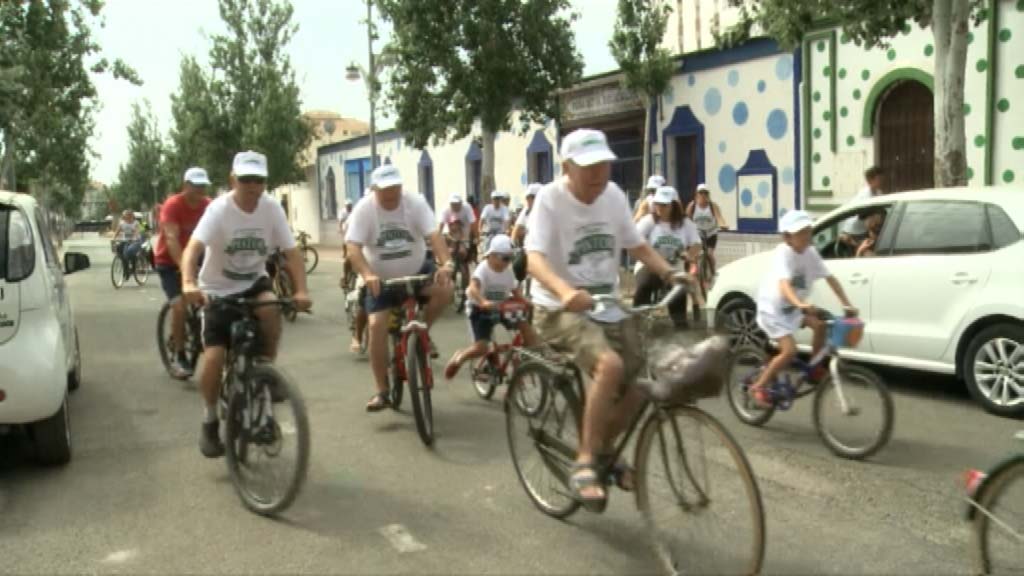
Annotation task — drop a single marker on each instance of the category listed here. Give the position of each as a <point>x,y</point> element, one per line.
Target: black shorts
<point>394,296</point>
<point>482,323</point>
<point>711,241</point>
<point>217,320</point>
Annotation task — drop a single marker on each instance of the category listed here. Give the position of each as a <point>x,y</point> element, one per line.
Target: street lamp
<point>354,71</point>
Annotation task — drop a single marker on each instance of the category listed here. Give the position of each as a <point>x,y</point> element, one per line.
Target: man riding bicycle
<point>236,233</point>
<point>457,238</point>
<point>179,216</point>
<point>495,218</point>
<point>578,226</point>
<point>386,240</point>
<point>464,213</point>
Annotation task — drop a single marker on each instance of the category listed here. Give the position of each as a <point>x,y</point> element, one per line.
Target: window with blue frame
<point>357,178</point>
<point>757,201</point>
<point>539,159</point>
<point>426,178</point>
<point>474,171</point>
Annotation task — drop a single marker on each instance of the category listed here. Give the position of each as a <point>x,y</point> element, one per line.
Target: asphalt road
<point>138,497</point>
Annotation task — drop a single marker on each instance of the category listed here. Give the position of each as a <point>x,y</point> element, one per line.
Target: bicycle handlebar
<point>405,280</point>
<point>684,284</point>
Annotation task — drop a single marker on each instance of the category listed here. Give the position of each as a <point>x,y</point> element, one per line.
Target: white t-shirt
<point>854,226</point>
<point>494,221</point>
<point>495,286</point>
<point>802,270</point>
<point>393,241</point>
<point>581,242</point>
<point>524,215</point>
<point>238,243</point>
<point>465,214</point>
<point>664,239</point>
<point>129,230</point>
<point>704,219</point>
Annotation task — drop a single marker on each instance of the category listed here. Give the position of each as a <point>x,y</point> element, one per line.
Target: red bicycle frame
<point>500,364</point>
<point>412,327</point>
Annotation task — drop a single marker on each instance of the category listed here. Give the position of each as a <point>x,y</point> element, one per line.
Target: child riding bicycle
<point>782,308</point>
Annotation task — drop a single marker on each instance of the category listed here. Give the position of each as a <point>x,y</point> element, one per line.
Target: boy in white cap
<point>492,283</point>
<point>495,218</point>
<point>645,205</point>
<point>385,240</point>
<point>237,233</point>
<point>782,306</point>
<point>579,225</point>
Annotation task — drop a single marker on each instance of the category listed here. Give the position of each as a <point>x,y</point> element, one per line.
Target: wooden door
<point>905,137</point>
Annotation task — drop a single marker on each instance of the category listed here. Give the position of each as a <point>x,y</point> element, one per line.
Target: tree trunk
<point>647,137</point>
<point>487,167</point>
<point>8,181</point>
<point>950,26</point>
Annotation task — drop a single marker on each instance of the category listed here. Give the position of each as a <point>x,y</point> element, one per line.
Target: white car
<point>39,354</point>
<point>944,293</point>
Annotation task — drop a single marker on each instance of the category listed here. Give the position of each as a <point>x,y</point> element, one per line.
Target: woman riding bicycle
<point>130,232</point>
<point>708,218</point>
<point>670,233</point>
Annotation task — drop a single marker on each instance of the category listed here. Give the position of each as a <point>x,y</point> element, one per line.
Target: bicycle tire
<point>555,454</point>
<point>165,345</point>
<point>306,251</point>
<point>285,289</point>
<point>483,378</point>
<point>397,384</point>
<point>987,499</point>
<point>237,446</point>
<point>743,406</point>
<point>694,501</point>
<point>835,444</point>
<point>418,371</point>
<point>117,273</point>
<point>141,269</point>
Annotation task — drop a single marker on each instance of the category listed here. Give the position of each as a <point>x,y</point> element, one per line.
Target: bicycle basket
<point>514,312</point>
<point>846,332</point>
<point>686,374</point>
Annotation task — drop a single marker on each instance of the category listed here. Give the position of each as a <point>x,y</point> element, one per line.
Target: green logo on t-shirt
<point>668,246</point>
<point>247,244</point>
<point>393,237</point>
<point>592,244</point>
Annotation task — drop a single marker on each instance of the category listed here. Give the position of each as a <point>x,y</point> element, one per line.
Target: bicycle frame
<point>411,327</point>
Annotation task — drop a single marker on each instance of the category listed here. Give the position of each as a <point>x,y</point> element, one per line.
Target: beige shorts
<point>584,340</point>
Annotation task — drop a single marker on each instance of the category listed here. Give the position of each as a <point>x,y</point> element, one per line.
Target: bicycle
<point>851,385</point>
<point>257,426</point>
<point>139,266</point>
<point>309,254</point>
<point>282,283</point>
<point>492,370</point>
<point>461,275</point>
<point>352,306</point>
<point>410,344</point>
<point>546,392</point>
<point>193,335</point>
<point>997,535</point>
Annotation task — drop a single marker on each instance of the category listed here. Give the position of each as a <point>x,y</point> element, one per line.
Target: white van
<point>39,354</point>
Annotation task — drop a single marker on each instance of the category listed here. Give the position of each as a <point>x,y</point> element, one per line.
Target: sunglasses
<point>252,180</point>
<point>506,258</point>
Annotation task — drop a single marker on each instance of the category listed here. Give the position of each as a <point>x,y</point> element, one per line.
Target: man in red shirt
<point>178,218</point>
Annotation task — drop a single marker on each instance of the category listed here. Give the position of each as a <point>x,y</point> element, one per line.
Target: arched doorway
<point>329,203</point>
<point>905,136</point>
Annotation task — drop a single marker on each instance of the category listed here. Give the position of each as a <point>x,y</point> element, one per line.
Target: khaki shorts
<point>584,340</point>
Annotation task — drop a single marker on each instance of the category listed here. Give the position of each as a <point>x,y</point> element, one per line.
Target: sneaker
<point>209,440</point>
<point>180,369</point>
<point>433,350</point>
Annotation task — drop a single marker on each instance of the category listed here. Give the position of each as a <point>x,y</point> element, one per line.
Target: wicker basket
<point>684,375</point>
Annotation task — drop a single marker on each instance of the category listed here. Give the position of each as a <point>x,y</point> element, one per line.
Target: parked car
<point>39,350</point>
<point>944,293</point>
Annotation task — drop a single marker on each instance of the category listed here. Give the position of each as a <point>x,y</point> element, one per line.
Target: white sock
<point>210,414</point>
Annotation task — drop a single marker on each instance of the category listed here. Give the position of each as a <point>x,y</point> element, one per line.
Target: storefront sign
<point>598,101</point>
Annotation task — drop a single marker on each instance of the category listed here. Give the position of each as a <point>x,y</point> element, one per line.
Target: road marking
<point>120,557</point>
<point>400,539</point>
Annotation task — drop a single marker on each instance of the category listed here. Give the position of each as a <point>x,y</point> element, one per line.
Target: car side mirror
<point>75,261</point>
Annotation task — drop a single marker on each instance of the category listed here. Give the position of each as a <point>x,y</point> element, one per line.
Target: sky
<point>153,35</point>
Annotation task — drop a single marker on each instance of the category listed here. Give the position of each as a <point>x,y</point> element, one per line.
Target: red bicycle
<point>492,370</point>
<point>410,345</point>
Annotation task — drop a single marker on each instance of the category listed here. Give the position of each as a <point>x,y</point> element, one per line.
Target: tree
<point>647,67</point>
<point>248,100</point>
<point>871,23</point>
<point>462,61</point>
<point>141,180</point>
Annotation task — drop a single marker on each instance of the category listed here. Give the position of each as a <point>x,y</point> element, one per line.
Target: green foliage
<point>461,60</point>
<point>141,181</point>
<point>636,46</point>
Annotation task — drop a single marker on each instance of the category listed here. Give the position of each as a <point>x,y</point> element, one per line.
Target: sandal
<point>379,401</point>
<point>762,398</point>
<point>355,347</point>
<point>622,473</point>
<point>584,477</point>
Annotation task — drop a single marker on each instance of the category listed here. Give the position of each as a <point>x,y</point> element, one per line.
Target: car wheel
<point>738,320</point>
<point>53,437</point>
<point>75,376</point>
<point>993,367</point>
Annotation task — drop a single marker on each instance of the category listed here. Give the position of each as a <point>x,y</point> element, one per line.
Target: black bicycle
<point>282,282</point>
<point>193,336</point>
<point>693,483</point>
<point>264,415</point>
<point>310,257</point>
<point>461,275</point>
<point>138,267</point>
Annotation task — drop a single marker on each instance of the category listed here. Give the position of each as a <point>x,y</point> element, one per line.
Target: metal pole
<point>371,78</point>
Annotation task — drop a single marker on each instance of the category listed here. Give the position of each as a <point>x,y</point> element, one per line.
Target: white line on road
<point>120,557</point>
<point>400,539</point>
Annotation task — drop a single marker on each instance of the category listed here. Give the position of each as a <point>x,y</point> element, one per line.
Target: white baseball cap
<point>385,176</point>
<point>455,199</point>
<point>249,163</point>
<point>196,176</point>
<point>795,221</point>
<point>702,187</point>
<point>500,244</point>
<point>665,195</point>
<point>533,189</point>
<point>586,147</point>
<point>499,194</point>
<point>655,182</point>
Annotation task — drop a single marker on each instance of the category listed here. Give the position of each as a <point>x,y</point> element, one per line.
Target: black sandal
<point>379,401</point>
<point>619,471</point>
<point>585,476</point>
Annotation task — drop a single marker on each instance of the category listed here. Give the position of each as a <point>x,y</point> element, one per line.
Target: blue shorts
<point>393,297</point>
<point>170,281</point>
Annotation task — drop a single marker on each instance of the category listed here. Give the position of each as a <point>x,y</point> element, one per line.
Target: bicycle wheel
<point>747,363</point>
<point>543,439</point>
<point>311,258</point>
<point>267,442</point>
<point>420,383</point>
<point>698,494</point>
<point>397,384</point>
<point>484,378</point>
<point>117,273</point>
<point>285,289</point>
<point>165,336</point>
<point>141,271</point>
<point>998,527</point>
<point>867,426</point>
